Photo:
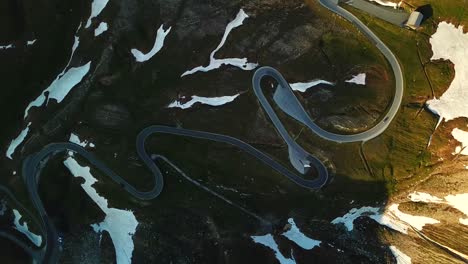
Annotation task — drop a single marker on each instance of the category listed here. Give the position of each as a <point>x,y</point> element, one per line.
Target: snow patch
<point>23,228</point>
<point>217,63</point>
<point>359,79</point>
<point>100,29</point>
<point>31,42</point>
<point>415,221</point>
<point>9,46</point>
<point>424,198</point>
<point>386,3</point>
<point>392,217</point>
<point>400,257</point>
<point>304,86</point>
<point>75,139</point>
<point>450,43</point>
<point>212,101</point>
<point>462,137</point>
<point>158,44</point>
<point>96,8</point>
<point>60,87</point>
<point>268,241</point>
<point>17,141</point>
<point>353,214</point>
<point>295,235</point>
<point>460,202</point>
<point>120,224</point>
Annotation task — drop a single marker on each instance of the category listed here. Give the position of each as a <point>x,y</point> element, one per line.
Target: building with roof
<point>415,20</point>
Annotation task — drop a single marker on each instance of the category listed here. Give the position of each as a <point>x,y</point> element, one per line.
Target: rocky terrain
<point>187,224</point>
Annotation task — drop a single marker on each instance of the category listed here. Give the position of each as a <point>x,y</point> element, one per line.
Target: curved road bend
<point>33,164</point>
<point>288,102</point>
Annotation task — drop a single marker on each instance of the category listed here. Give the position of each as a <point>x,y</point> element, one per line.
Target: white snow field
<point>400,257</point>
<point>23,228</point>
<point>101,29</point>
<point>295,235</point>
<point>450,43</point>
<point>17,141</point>
<point>304,86</point>
<point>158,44</point>
<point>359,79</point>
<point>392,217</point>
<point>96,8</point>
<point>217,63</point>
<point>120,224</point>
<point>212,101</point>
<point>268,241</point>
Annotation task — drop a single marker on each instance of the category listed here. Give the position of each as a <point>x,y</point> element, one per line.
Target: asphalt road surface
<point>33,164</point>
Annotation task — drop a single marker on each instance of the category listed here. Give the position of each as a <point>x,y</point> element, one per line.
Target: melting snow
<point>462,137</point>
<point>304,86</point>
<point>295,235</point>
<point>100,29</point>
<point>61,86</point>
<point>386,3</point>
<point>417,222</point>
<point>212,101</point>
<point>75,139</point>
<point>9,46</point>
<point>31,42</point>
<point>268,241</point>
<point>358,79</point>
<point>424,197</point>
<point>120,224</point>
<point>450,43</point>
<point>392,218</point>
<point>216,63</point>
<point>400,257</point>
<point>23,228</point>
<point>96,8</point>
<point>158,44</point>
<point>460,202</point>
<point>17,141</point>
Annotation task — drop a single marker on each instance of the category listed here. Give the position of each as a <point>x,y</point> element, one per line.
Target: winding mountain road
<point>33,164</point>
<point>380,127</point>
<point>284,97</point>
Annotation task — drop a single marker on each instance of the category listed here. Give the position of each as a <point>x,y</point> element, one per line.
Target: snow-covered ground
<point>420,197</point>
<point>96,8</point>
<point>295,235</point>
<point>100,29</point>
<point>17,141</point>
<point>457,201</point>
<point>400,257</point>
<point>5,47</point>
<point>460,202</point>
<point>212,101</point>
<point>60,87</point>
<point>31,42</point>
<point>74,138</point>
<point>358,79</point>
<point>392,217</point>
<point>462,137</point>
<point>450,43</point>
<point>23,228</point>
<point>236,62</point>
<point>268,241</point>
<point>120,224</point>
<point>304,86</point>
<point>386,3</point>
<point>158,44</point>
